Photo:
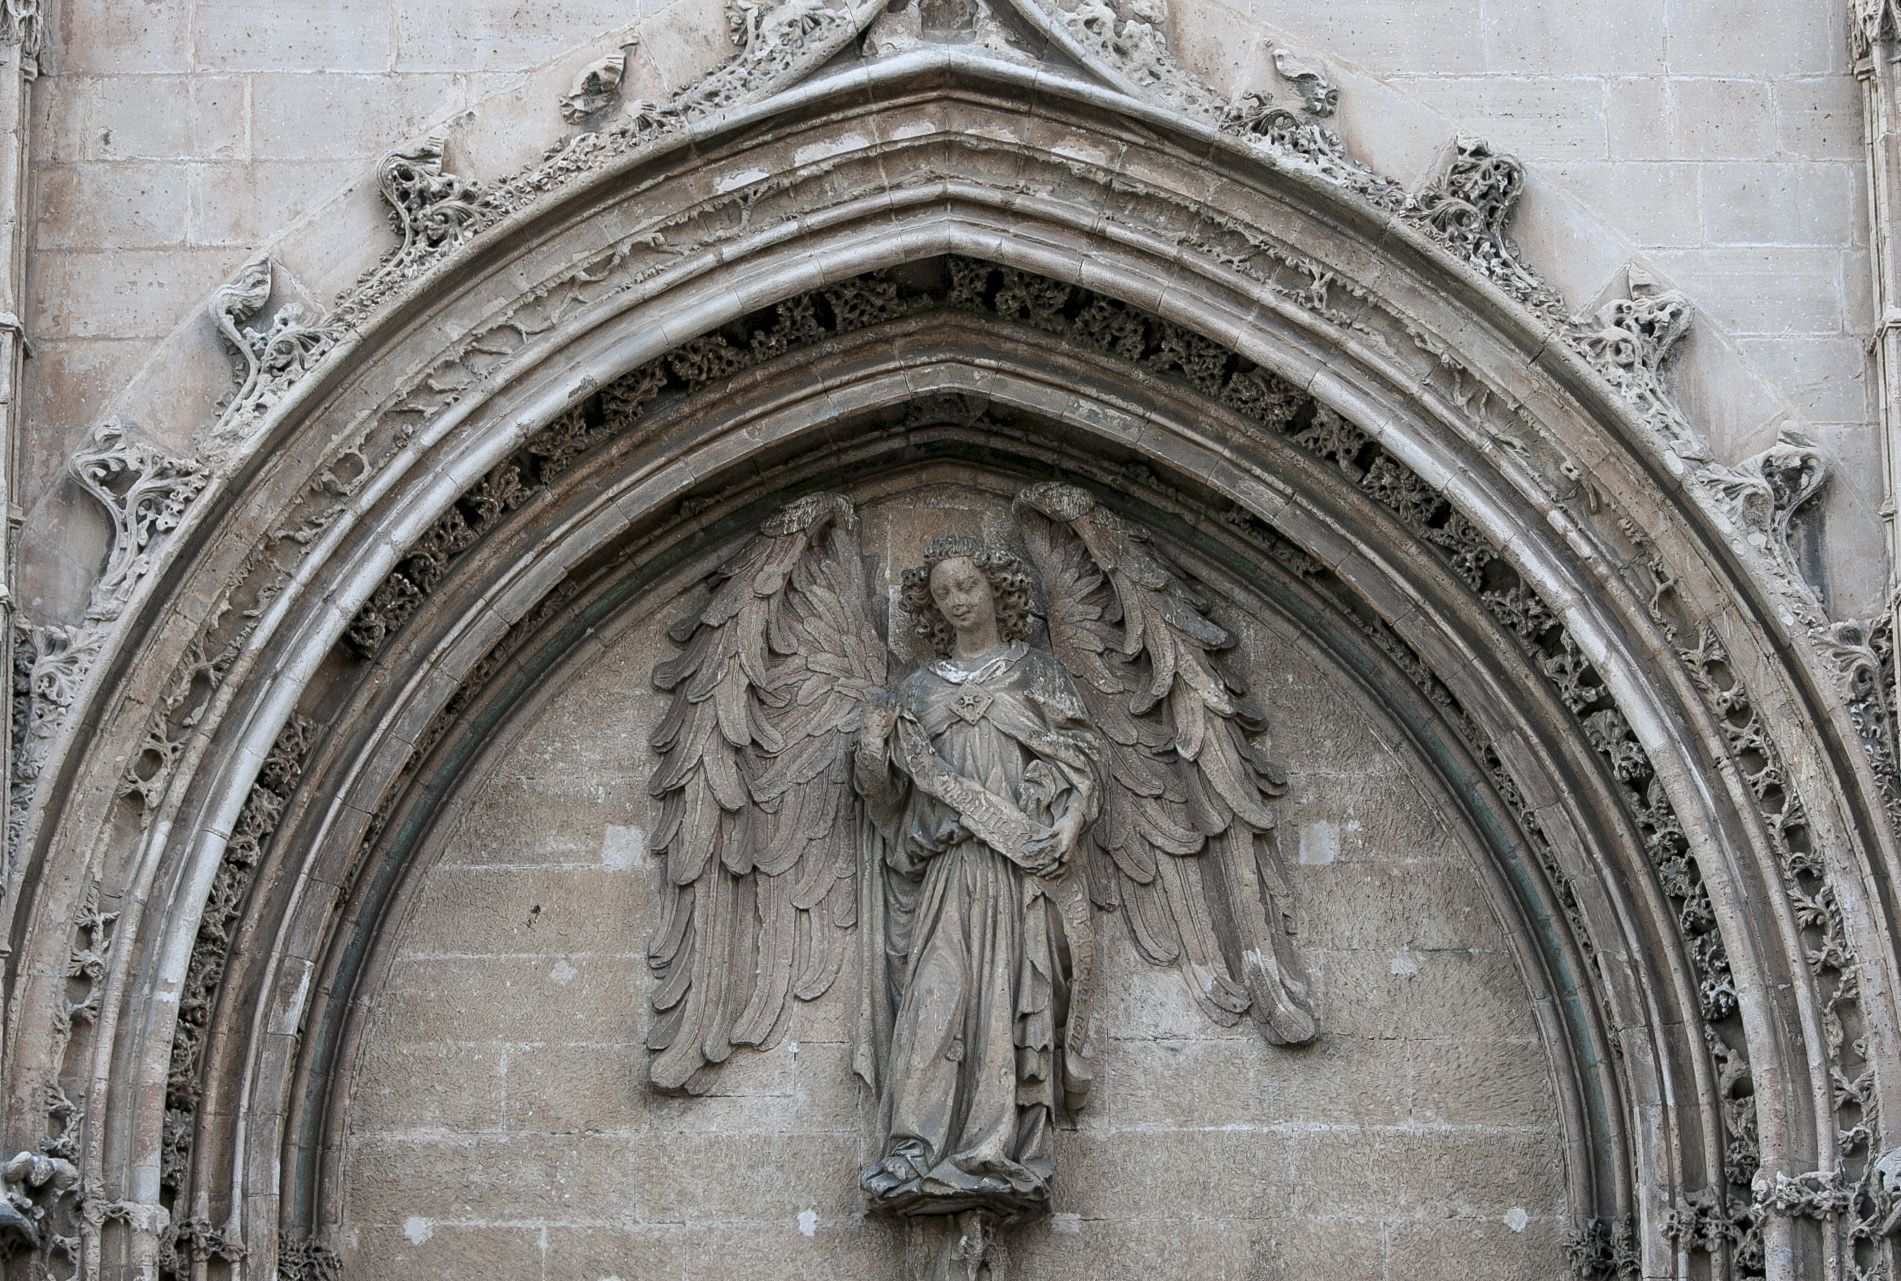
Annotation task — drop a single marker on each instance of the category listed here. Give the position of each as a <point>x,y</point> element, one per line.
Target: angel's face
<point>962,594</point>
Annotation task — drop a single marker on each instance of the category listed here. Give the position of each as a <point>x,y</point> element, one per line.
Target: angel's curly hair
<point>1010,586</point>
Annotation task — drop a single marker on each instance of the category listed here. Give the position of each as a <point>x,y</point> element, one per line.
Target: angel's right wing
<point>757,825</point>
<point>1186,843</point>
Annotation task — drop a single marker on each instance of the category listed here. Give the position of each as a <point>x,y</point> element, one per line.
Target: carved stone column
<point>1876,36</point>
<point>21,29</point>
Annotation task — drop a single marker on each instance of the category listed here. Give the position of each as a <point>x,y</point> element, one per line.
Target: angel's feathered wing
<point>1185,843</point>
<point>757,825</point>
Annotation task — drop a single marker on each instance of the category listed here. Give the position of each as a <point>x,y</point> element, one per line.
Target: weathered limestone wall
<point>499,1124</point>
<point>174,137</point>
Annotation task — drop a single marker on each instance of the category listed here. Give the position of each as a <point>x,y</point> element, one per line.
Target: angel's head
<point>963,586</point>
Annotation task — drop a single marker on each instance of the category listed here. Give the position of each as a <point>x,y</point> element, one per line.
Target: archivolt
<point>1681,816</point>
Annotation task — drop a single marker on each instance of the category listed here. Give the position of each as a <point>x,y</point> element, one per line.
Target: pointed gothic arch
<point>1333,411</point>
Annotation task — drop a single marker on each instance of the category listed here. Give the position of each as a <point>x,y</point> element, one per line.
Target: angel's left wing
<point>757,821</point>
<point>1185,844</point>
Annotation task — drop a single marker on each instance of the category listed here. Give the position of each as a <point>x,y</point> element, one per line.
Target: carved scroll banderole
<point>998,823</point>
<point>993,820</point>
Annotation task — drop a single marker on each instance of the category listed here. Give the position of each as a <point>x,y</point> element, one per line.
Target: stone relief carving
<point>23,23</point>
<point>1877,1204</point>
<point>1816,1194</point>
<point>1171,352</point>
<point>505,488</point>
<point>308,1261</point>
<point>145,493</point>
<point>1742,498</point>
<point>268,361</point>
<point>1707,1222</point>
<point>431,210</point>
<point>1863,652</point>
<point>996,791</point>
<point>775,48</point>
<point>1310,81</point>
<point>597,87</point>
<point>244,850</point>
<point>913,23</point>
<point>48,1206</point>
<point>713,354</point>
<point>1468,208</point>
<point>1806,885</point>
<point>1131,36</point>
<point>1764,493</point>
<point>1605,1250</point>
<point>1629,340</point>
<point>36,1218</point>
<point>1875,23</point>
<point>49,664</point>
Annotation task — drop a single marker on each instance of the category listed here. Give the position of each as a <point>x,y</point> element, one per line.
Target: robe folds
<point>976,969</point>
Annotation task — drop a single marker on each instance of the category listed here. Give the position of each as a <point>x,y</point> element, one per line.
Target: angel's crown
<point>950,547</point>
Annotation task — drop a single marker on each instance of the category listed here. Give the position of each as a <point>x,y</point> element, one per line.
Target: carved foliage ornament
<point>268,361</point>
<point>1875,23</point>
<point>23,23</point>
<point>244,850</point>
<point>1467,207</point>
<point>431,210</point>
<point>1629,340</point>
<point>144,493</point>
<point>1764,493</point>
<point>419,191</point>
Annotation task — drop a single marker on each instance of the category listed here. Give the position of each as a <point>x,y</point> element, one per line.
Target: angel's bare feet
<point>888,1175</point>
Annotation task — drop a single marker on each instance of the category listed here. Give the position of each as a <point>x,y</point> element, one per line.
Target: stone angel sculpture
<point>963,820</point>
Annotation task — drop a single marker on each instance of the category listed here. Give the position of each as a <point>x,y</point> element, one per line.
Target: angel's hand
<point>881,717</point>
<point>1047,853</point>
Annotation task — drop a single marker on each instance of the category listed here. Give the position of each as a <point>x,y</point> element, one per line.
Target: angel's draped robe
<point>972,1007</point>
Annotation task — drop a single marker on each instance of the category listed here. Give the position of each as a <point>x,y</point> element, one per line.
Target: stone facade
<point>398,372</point>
